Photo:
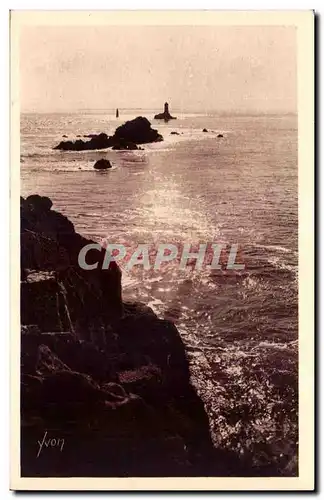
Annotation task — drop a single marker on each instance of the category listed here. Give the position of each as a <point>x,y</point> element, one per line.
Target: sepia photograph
<point>157,160</point>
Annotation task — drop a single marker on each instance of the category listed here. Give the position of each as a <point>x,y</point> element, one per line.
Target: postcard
<point>162,250</point>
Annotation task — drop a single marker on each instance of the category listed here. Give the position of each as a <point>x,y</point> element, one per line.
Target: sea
<point>240,327</point>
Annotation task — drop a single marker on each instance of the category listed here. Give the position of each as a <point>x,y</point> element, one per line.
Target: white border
<point>304,21</point>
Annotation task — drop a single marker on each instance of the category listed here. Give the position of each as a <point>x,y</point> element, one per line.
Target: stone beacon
<point>165,115</point>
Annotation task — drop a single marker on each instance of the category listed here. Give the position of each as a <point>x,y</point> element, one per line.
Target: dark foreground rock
<point>165,115</point>
<point>127,136</point>
<point>106,383</point>
<point>102,164</point>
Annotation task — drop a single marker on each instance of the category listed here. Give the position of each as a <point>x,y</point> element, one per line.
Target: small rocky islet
<point>102,164</point>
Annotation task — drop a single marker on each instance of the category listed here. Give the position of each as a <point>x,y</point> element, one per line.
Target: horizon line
<point>175,110</point>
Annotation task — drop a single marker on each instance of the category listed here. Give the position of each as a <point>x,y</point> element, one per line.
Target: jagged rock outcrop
<point>138,131</point>
<point>165,115</point>
<point>108,378</point>
<point>127,136</point>
<point>49,243</point>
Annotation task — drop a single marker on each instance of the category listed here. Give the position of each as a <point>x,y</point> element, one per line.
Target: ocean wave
<point>276,248</point>
<point>284,266</point>
<point>293,344</point>
<point>82,168</point>
<point>34,155</point>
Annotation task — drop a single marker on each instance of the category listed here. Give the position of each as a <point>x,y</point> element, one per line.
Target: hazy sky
<point>194,68</point>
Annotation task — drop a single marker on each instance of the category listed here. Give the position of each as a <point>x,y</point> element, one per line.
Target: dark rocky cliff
<point>109,378</point>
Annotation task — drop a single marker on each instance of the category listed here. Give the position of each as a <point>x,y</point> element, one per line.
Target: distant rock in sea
<point>127,136</point>
<point>174,133</point>
<point>220,135</point>
<point>205,130</point>
<point>165,115</point>
<point>102,164</point>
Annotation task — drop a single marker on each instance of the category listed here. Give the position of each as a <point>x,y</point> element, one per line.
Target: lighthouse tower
<point>165,115</point>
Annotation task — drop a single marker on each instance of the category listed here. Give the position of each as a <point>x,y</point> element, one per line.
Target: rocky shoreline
<point>109,379</point>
